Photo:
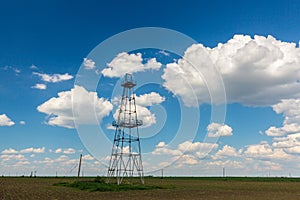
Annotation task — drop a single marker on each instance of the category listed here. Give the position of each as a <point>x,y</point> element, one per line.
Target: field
<point>174,188</point>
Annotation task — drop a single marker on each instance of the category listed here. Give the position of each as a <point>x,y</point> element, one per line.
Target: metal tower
<point>126,159</point>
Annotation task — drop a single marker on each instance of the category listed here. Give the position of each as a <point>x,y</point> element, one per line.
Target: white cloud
<point>16,70</point>
<point>22,122</point>
<point>161,144</point>
<point>33,150</point>
<point>232,164</point>
<point>265,152</point>
<point>7,157</point>
<point>40,86</point>
<point>163,52</point>
<point>87,157</point>
<point>129,63</point>
<point>61,158</point>
<point>197,149</point>
<point>290,108</point>
<point>54,78</point>
<point>289,141</point>
<point>69,151</point>
<point>185,154</point>
<point>146,116</point>
<point>5,121</point>
<point>162,149</point>
<point>65,151</point>
<point>149,99</point>
<point>219,130</point>
<point>24,151</point>
<point>256,71</point>
<point>59,150</point>
<point>286,139</point>
<point>289,144</point>
<point>33,67</point>
<point>286,129</point>
<point>89,63</point>
<point>86,104</point>
<point>293,150</point>
<point>259,150</point>
<point>9,151</point>
<point>268,165</point>
<point>227,151</point>
<point>22,163</point>
<point>187,160</point>
<point>143,112</point>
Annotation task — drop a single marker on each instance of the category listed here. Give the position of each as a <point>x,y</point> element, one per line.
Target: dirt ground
<point>42,188</point>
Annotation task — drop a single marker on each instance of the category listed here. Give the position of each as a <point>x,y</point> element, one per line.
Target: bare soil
<point>182,188</point>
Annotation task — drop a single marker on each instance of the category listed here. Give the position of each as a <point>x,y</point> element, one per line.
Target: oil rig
<point>126,159</point>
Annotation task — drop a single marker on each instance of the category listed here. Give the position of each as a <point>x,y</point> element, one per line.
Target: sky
<point>217,85</point>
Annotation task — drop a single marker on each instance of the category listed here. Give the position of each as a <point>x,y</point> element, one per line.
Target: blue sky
<point>42,51</point>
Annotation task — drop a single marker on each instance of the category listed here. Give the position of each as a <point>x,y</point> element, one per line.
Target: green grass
<point>99,185</point>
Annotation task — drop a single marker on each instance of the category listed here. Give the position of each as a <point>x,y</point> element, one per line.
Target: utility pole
<point>223,171</point>
<point>79,166</point>
<point>162,173</point>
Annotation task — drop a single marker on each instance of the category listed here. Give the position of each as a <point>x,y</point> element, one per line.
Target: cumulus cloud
<point>54,78</point>
<point>187,160</point>
<point>69,151</point>
<point>129,63</point>
<point>24,151</point>
<point>185,154</point>
<point>227,151</point>
<point>149,99</point>
<point>258,150</point>
<point>87,105</point>
<point>161,144</point>
<point>7,157</point>
<point>197,149</point>
<point>143,112</point>
<point>163,149</point>
<point>256,71</point>
<point>265,151</point>
<point>219,130</point>
<point>22,122</point>
<point>89,63</point>
<point>5,121</point>
<point>59,150</point>
<point>40,86</point>
<point>232,164</point>
<point>64,151</point>
<point>87,157</point>
<point>290,108</point>
<point>33,150</point>
<point>9,151</point>
<point>290,144</point>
